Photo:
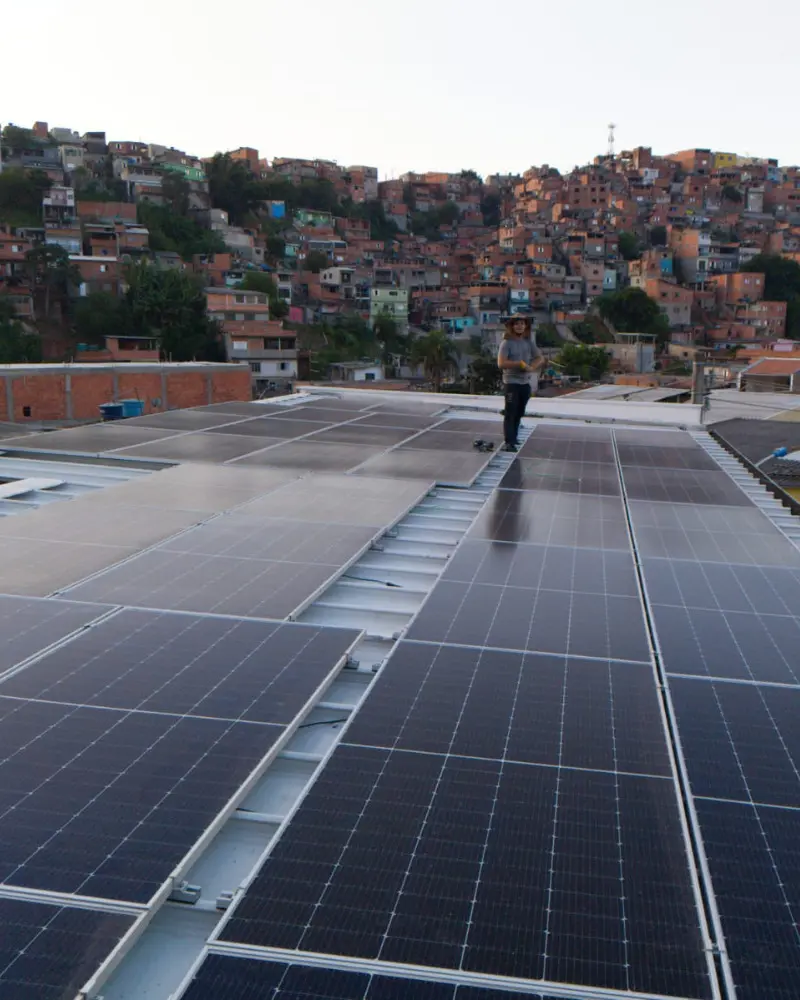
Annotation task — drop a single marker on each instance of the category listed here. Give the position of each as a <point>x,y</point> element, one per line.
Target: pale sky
<point>411,84</point>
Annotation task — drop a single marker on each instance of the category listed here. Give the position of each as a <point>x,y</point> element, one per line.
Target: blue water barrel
<point>132,407</point>
<point>111,411</point>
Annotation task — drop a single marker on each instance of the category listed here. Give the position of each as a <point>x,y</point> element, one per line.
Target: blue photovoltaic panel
<point>28,625</point>
<point>49,952</point>
<point>484,866</point>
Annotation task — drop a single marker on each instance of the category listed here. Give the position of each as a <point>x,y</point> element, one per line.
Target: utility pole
<point>698,382</point>
<point>611,128</point>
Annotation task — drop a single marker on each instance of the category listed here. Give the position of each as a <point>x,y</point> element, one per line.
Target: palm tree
<point>436,354</point>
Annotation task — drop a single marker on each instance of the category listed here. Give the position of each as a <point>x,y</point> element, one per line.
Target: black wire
<point>322,722</point>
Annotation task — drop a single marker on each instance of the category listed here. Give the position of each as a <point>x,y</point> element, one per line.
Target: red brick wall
<point>186,389</point>
<point>88,391</point>
<point>146,386</point>
<point>231,385</point>
<point>46,393</point>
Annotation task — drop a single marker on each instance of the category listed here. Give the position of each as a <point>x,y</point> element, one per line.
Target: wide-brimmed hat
<point>510,318</point>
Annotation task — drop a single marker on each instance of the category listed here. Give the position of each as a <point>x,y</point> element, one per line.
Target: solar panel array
<point>323,435</point>
<point>505,801</point>
<point>269,556</point>
<point>723,585</point>
<point>119,747</point>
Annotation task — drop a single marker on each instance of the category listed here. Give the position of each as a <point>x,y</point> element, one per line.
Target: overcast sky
<point>410,84</point>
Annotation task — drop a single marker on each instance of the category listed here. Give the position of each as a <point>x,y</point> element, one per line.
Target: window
<point>255,367</point>
<point>283,366</point>
<point>239,345</point>
<point>239,317</point>
<point>26,411</point>
<point>241,299</point>
<point>103,268</point>
<point>15,248</point>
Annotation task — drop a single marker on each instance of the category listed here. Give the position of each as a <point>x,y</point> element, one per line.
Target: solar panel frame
<point>539,445</point>
<point>274,428</point>
<point>183,420</point>
<point>311,455</point>
<point>666,457</point>
<point>445,468</point>
<point>48,951</point>
<point>201,447</point>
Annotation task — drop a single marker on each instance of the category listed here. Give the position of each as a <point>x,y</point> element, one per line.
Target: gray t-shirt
<point>513,349</point>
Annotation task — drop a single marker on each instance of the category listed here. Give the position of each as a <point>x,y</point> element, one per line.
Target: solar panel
<point>187,665</point>
<point>591,571</point>
<point>279,429</point>
<point>572,432</point>
<point>93,440</point>
<point>752,856</point>
<point>653,456</point>
<point>37,568</point>
<point>535,619</point>
<point>729,644</point>
<point>28,626</point>
<point>588,478</point>
<point>548,518</point>
<point>768,590</point>
<point>201,447</point>
<point>484,866</point>
<point>240,409</point>
<point>106,803</point>
<point>411,421</point>
<point>683,486</point>
<point>363,435</point>
<point>250,588</point>
<point>741,740</point>
<point>316,412</point>
<point>708,533</point>
<point>331,500</point>
<point>527,708</point>
<point>312,454</point>
<point>444,440</point>
<point>275,539</point>
<point>653,437</point>
<point>542,445</point>
<point>445,468</point>
<point>182,420</point>
<point>247,979</point>
<point>49,952</point>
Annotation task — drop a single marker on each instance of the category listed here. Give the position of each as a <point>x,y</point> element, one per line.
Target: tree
<point>629,246</point>
<point>584,361</point>
<point>233,188</point>
<point>17,345</point>
<point>633,311</point>
<point>276,247</point>
<point>732,194</point>
<point>100,315</point>
<point>178,233</point>
<point>315,261</point>
<point>391,342</point>
<point>548,336</point>
<point>260,281</point>
<point>170,306</point>
<point>50,269</point>
<point>483,375</point>
<point>658,236</point>
<point>448,213</point>
<point>21,194</point>
<point>175,192</point>
<point>781,284</point>
<point>435,353</point>
<point>490,209</point>
<point>471,175</point>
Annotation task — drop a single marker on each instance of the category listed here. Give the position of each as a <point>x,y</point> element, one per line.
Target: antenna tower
<point>611,127</point>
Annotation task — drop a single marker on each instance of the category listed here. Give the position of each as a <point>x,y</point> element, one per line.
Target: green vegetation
<point>633,311</point>
<point>352,339</point>
<point>233,188</point>
<point>51,273</point>
<point>658,236</point>
<point>99,315</point>
<point>315,261</point>
<point>587,363</point>
<point>781,284</point>
<point>17,345</point>
<point>435,352</point>
<point>732,194</point>
<point>548,336</point>
<point>170,306</point>
<point>14,137</point>
<point>21,194</point>
<point>260,281</point>
<point>490,207</point>
<point>428,224</point>
<point>629,246</point>
<point>178,233</point>
<point>592,331</point>
<point>483,375</point>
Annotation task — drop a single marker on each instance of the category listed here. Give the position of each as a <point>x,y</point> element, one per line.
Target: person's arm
<point>504,363</point>
<point>537,359</point>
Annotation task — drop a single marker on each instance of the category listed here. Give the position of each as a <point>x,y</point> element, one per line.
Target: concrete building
<point>392,302</point>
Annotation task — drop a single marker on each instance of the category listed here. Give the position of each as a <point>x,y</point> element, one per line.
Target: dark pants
<point>517,396</point>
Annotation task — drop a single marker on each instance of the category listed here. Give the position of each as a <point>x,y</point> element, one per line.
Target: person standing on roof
<point>519,359</point>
